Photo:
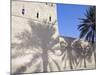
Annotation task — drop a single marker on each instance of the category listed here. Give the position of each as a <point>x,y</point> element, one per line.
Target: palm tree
<point>67,52</point>
<point>87,26</point>
<point>83,52</point>
<point>41,35</point>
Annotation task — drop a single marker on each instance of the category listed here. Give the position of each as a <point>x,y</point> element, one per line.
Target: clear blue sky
<point>68,18</point>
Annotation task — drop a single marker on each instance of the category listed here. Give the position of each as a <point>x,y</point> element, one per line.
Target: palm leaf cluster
<point>87,26</point>
<point>76,53</point>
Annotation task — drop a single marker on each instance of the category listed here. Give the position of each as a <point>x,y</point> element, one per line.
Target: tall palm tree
<point>87,26</point>
<point>83,52</point>
<point>67,52</point>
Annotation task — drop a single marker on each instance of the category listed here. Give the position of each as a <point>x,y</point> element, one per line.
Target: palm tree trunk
<point>71,66</point>
<point>95,57</point>
<point>45,60</point>
<point>94,51</point>
<point>84,63</point>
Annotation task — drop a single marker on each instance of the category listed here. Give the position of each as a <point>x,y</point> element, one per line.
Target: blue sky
<point>68,18</point>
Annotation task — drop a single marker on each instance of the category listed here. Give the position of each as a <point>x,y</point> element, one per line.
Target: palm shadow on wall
<point>39,36</point>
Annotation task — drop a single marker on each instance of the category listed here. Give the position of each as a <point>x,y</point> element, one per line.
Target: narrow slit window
<point>51,5</point>
<point>46,3</point>
<point>23,10</point>
<point>50,18</point>
<point>37,15</point>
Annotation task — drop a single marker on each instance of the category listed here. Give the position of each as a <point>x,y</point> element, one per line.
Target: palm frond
<point>87,25</point>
